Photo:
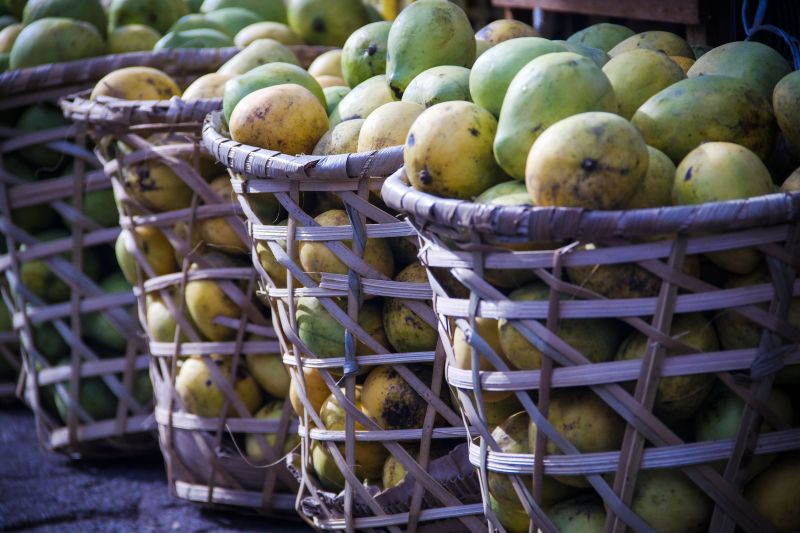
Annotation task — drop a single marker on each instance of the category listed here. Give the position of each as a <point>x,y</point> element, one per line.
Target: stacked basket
<point>375,451</point>
<point>658,252</point>
<point>218,379</point>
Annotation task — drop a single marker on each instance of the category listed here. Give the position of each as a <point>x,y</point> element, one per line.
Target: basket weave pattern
<point>478,241</point>
<point>434,489</point>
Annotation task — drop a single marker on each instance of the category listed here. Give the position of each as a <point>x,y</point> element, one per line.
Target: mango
<point>748,61</point>
<point>774,494</point>
<point>161,323</point>
<point>531,105</point>
<point>582,514</point>
<point>502,30</point>
<point>656,188</point>
<point>364,53</point>
<point>257,53</point>
<point>486,328</point>
<point>592,160</point>
<point>334,95</point>
<point>210,85</point>
<point>684,62</point>
<point>639,74</point>
<point>661,41</point>
<point>719,171</point>
<point>316,390</point>
<point>481,47</point>
<point>233,19</point>
<point>327,63</point>
<point>136,83</point>
<point>330,81</point>
<point>302,119</point>
<point>206,299</point>
<point>434,150</point>
<point>388,125</point>
<point>271,411</point>
<point>196,21</point>
<point>155,248</point>
<point>513,519</point>
<point>439,84</point>
<point>158,14</point>
<point>326,22</point>
<point>199,38</point>
<point>268,370</point>
<point>275,270</point>
<point>266,30</point>
<point>679,397</point>
<point>363,100</point>
<point>670,503</point>
<point>391,401</point>
<point>8,35</point>
<point>786,104</point>
<point>155,186</point>
<point>40,117</point>
<point>426,34</point>
<point>501,191</point>
<point>324,335</point>
<point>55,40</point>
<point>132,38</point>
<point>341,139</point>
<point>709,108</point>
<point>269,75</point>
<point>406,331</point>
<point>599,57</point>
<point>94,397</point>
<point>201,396</point>
<point>98,328</point>
<point>604,35</point>
<point>217,232</point>
<point>269,10</point>
<point>90,11</point>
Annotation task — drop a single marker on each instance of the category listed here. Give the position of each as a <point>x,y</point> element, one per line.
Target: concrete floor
<point>44,492</point>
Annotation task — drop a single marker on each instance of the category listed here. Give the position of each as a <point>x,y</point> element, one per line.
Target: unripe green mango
<point>786,103</point>
<point>326,22</point>
<point>55,40</point>
<point>272,10</point>
<point>90,11</point>
<point>267,76</point>
<point>158,14</point>
<point>426,34</point>
<point>362,100</point>
<point>582,514</point>
<point>97,326</point>
<point>749,61</point>
<point>42,117</point>
<point>532,105</point>
<point>334,95</point>
<point>196,21</point>
<point>259,52</point>
<point>604,36</point>
<point>709,108</point>
<point>493,71</point>
<point>364,53</point>
<point>233,19</point>
<point>199,38</point>
<point>323,334</point>
<point>439,84</point>
<point>132,38</point>
<point>639,74</point>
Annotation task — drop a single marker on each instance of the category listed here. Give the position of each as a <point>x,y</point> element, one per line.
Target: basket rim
<point>261,163</point>
<point>555,224</point>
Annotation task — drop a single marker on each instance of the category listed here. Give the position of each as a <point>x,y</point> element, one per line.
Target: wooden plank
<point>678,11</point>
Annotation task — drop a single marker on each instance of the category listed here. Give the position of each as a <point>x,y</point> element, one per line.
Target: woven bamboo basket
<point>88,340</point>
<point>10,362</point>
<point>656,253</point>
<point>439,490</point>
<point>226,454</point>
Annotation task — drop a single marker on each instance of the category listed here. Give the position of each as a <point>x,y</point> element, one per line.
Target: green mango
<point>708,108</point>
<point>94,397</point>
<point>259,52</point>
<point>267,76</point>
<point>195,21</point>
<point>41,117</point>
<point>55,40</point>
<point>493,71</point>
<point>582,514</point>
<point>326,22</point>
<point>749,61</point>
<point>364,53</point>
<point>33,218</point>
<point>334,95</point>
<point>426,34</point>
<point>323,334</point>
<point>48,342</point>
<point>439,84</point>
<point>604,36</point>
<point>599,57</point>
<point>501,190</point>
<point>362,100</point>
<point>200,38</point>
<point>233,19</point>
<point>132,38</point>
<point>532,104</point>
<point>90,11</point>
<point>97,326</point>
<point>158,14</point>
<point>272,10</point>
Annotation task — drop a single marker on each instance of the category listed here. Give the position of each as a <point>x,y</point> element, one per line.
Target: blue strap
<point>758,25</point>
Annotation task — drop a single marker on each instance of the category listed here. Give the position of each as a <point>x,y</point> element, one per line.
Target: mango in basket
<point>202,396</point>
<point>514,519</point>
<point>388,125</point>
<point>341,139</point>
<point>55,40</point>
<point>316,390</point>
<point>406,331</point>
<point>136,83</point>
<point>303,119</point>
<point>265,9</point>
<point>156,186</point>
<point>206,300</point>
<point>217,232</point>
<point>439,84</point>
<point>669,502</point>
<point>257,53</point>
<point>94,397</point>
<point>391,401</point>
<point>774,493</point>
<point>267,30</point>
<point>364,53</point>
<point>316,258</point>
<point>49,342</point>
<point>155,248</point>
<point>208,86</point>
<point>276,271</point>
<point>370,456</point>
<point>427,34</point>
<point>512,437</point>
<point>196,21</point>
<point>327,64</point>
<point>362,100</point>
<point>719,171</point>
<point>268,370</point>
<point>599,57</point>
<point>161,323</point>
<point>663,41</point>
<point>604,36</point>
<point>582,514</point>
<point>90,11</point>
<point>8,35</point>
<point>720,417</point>
<point>42,117</point>
<point>434,149</point>
<point>656,188</point>
<point>271,411</point>
<point>132,38</point>
<point>158,14</point>
<point>326,22</point>
<point>487,330</point>
<point>334,95</point>
<point>324,335</point>
<point>595,338</point>
<point>679,397</point>
<point>499,31</point>
<point>586,421</point>
<point>199,38</point>
<point>394,472</point>
<point>99,329</point>
<point>786,103</point>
